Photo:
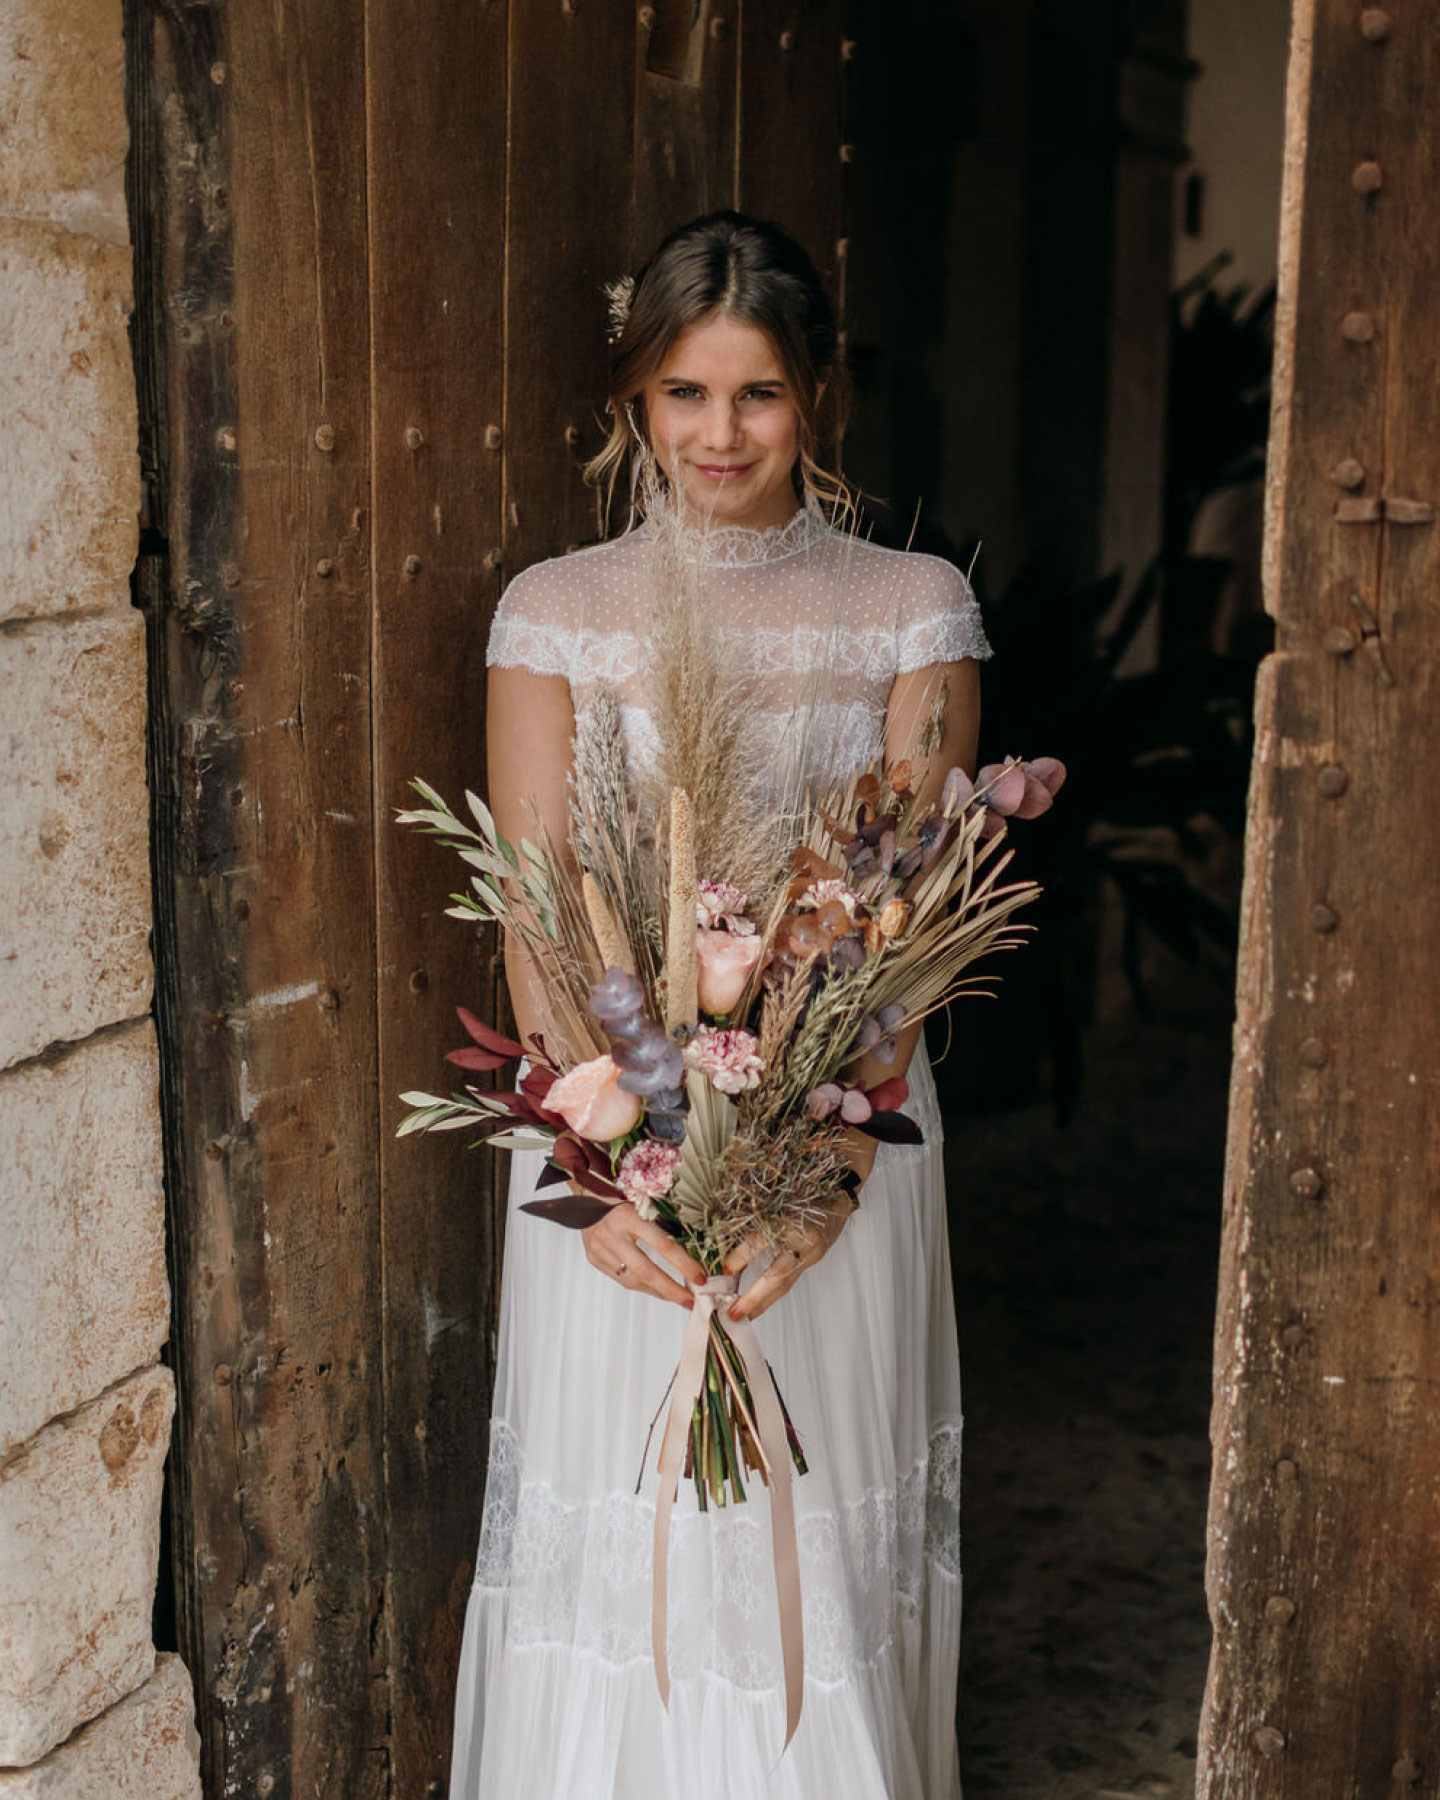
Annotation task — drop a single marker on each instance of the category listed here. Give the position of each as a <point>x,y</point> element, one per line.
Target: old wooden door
<point>371,237</point>
<point>1324,1571</point>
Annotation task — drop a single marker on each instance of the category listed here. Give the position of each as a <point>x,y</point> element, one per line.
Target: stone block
<point>79,1545</point>
<point>82,1219</point>
<point>74,853</point>
<point>70,476</point>
<point>62,115</point>
<point>145,1748</point>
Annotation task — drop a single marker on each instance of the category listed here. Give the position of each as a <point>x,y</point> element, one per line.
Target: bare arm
<point>529,728</point>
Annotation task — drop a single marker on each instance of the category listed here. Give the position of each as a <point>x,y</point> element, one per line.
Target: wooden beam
<point>435,163</point>
<point>1324,1571</point>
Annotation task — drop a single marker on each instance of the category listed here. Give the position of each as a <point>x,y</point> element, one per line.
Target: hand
<point>613,1247</point>
<point>807,1245</point>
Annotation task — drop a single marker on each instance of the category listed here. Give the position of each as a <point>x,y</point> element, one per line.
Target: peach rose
<point>726,961</point>
<point>592,1103</point>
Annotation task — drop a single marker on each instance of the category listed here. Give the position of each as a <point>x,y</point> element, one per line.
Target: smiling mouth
<point>723,471</point>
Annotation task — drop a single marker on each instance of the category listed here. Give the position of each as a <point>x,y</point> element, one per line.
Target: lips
<point>722,471</point>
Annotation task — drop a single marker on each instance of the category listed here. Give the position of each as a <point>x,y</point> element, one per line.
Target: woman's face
<point>724,424</point>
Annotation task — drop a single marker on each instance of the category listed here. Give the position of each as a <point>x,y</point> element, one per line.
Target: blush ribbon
<point>775,1450</point>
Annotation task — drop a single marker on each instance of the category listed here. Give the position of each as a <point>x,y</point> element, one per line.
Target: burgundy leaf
<point>553,1173</point>
<point>575,1211</point>
<point>487,1036</point>
<point>892,1128</point>
<point>473,1057</point>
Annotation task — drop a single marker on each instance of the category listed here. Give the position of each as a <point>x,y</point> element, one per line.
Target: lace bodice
<point>819,619</point>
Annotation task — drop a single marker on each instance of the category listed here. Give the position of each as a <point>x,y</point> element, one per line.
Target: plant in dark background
<point>1158,758</point>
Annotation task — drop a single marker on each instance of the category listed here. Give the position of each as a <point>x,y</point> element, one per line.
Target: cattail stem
<point>610,941</point>
<point>681,966</point>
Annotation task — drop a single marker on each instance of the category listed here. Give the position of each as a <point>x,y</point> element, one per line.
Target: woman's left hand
<point>807,1244</point>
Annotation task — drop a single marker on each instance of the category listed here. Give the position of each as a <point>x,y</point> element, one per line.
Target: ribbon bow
<point>770,1422</point>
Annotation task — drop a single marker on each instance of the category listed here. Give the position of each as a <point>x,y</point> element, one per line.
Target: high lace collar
<point>744,546</point>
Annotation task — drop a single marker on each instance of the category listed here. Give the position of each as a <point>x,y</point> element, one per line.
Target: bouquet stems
<point>724,1442</point>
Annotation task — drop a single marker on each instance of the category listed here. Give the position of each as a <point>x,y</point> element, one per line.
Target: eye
<point>763,393</point>
<point>683,390</point>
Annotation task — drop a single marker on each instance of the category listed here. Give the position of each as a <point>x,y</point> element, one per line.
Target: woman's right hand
<point>613,1247</point>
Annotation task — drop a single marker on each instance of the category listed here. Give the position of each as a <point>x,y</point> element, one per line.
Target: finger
<point>644,1231</point>
<point>743,1255</point>
<point>644,1277</point>
<point>778,1279</point>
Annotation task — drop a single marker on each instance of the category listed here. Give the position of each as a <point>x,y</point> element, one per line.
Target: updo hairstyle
<point>758,275</point>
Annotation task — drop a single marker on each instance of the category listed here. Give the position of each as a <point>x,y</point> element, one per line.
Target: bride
<point>725,355</point>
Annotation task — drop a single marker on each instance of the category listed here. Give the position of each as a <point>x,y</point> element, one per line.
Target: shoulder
<point>547,607</point>
<point>929,601</point>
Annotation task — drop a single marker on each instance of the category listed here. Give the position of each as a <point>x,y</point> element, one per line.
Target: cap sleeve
<point>537,622</point>
<point>938,616</point>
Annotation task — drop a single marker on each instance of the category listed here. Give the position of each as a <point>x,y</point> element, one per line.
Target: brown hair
<point>759,275</point>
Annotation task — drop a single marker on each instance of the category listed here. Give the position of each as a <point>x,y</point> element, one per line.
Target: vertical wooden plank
<point>684,153</point>
<point>1324,1572</point>
<point>565,238</point>
<point>790,114</point>
<point>265,941</point>
<point>436,168</point>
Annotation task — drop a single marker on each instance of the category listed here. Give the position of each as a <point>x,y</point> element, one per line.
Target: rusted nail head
<point>419,981</point>
<point>1332,781</point>
<point>1406,1769</point>
<point>225,437</point>
<point>1285,1470</point>
<point>1366,177</point>
<point>1375,25</point>
<point>572,435</point>
<point>1281,1608</point>
<point>414,437</point>
<point>848,48</point>
<point>719,26</point>
<point>788,40</point>
<point>218,72</point>
<point>215,1150</point>
<point>324,437</point>
<point>242,910</point>
<point>1267,1740</point>
<point>1338,641</point>
<point>647,18</point>
<point>492,437</point>
<point>1292,1335</point>
<point>847,153</point>
<point>1357,327</point>
<point>1348,474</point>
<point>224,1374</point>
<point>435,1789</point>
<point>412,565</point>
<point>230,576</point>
<point>330,1001</point>
<point>1324,918</point>
<point>324,568</point>
<point>1306,1183</point>
<point>1314,1052</point>
<point>492,558</point>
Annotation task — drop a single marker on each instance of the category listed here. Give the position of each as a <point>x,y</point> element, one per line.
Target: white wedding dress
<point>556,1697</point>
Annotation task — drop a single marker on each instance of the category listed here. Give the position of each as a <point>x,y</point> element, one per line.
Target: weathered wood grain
<point>435,149</point>
<point>572,112</point>
<point>1324,1571</point>
<point>685,126</point>
<point>263,831</point>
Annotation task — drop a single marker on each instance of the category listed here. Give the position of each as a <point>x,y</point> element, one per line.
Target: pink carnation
<point>721,903</point>
<point>647,1174</point>
<point>729,1058</point>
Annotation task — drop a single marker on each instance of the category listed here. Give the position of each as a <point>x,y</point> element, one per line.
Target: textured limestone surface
<point>145,1748</point>
<point>82,1219</point>
<point>74,857</point>
<point>79,1543</point>
<point>69,476</point>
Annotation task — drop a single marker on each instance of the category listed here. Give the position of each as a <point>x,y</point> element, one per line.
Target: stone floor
<point>1085,1276</point>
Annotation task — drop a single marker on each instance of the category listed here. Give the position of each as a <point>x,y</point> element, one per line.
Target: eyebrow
<point>687,381</point>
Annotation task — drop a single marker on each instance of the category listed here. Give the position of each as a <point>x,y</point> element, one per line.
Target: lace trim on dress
<point>578,1574</point>
<point>742,546</point>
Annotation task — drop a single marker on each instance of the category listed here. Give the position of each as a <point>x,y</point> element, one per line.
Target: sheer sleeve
<point>938,616</point>
<point>538,621</point>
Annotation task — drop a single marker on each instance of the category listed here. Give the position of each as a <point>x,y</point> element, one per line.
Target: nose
<point>722,426</point>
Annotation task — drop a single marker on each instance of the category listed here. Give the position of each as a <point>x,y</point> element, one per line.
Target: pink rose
<point>726,962</point>
<point>592,1103</point>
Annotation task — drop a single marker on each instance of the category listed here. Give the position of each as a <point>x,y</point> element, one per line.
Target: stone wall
<point>86,1707</point>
